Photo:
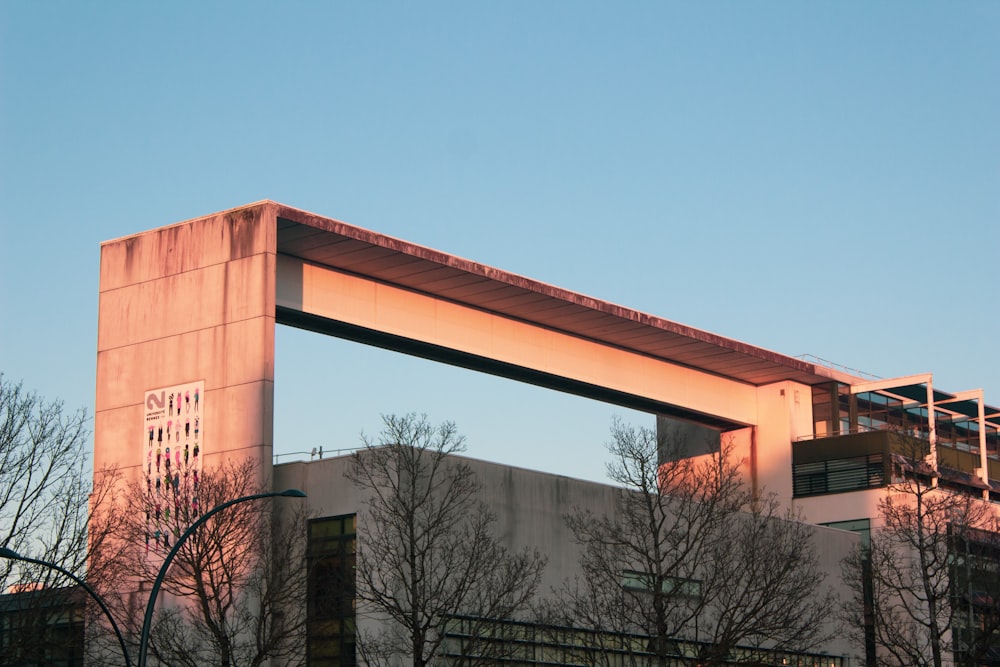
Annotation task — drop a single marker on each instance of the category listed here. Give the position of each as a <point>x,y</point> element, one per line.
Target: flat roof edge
<point>424,253</point>
<point>546,289</point>
<point>263,203</point>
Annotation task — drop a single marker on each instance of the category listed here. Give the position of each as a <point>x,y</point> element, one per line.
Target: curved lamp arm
<point>10,553</point>
<point>148,618</point>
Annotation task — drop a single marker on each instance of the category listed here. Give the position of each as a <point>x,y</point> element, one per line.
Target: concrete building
<point>802,430</point>
<point>42,627</point>
<point>531,508</point>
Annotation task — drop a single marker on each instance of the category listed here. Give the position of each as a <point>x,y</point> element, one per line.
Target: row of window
<point>529,645</point>
<point>836,411</point>
<point>46,634</point>
<point>331,620</point>
<point>679,586</point>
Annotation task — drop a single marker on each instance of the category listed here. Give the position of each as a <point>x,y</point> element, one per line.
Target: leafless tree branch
<point>690,557</point>
<point>905,584</point>
<point>238,584</point>
<point>427,552</point>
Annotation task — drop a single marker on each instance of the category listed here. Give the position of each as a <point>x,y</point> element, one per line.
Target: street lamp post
<point>148,618</point>
<point>10,553</point>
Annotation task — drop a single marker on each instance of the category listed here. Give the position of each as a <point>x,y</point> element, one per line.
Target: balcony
<point>857,461</point>
<point>851,462</point>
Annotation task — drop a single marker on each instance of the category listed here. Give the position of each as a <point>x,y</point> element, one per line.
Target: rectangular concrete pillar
<point>181,305</point>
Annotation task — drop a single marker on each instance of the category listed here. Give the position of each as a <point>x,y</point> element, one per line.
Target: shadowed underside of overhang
<point>344,247</point>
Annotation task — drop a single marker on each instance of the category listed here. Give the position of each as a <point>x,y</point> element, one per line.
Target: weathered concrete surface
<point>189,302</point>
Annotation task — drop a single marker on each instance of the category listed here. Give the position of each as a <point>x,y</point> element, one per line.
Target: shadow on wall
<point>684,439</point>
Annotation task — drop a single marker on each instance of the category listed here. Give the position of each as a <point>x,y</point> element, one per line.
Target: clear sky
<point>808,177</point>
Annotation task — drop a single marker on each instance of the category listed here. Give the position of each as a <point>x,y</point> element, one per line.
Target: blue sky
<point>818,178</point>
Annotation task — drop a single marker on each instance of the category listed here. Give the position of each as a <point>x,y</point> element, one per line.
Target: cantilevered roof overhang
<point>338,245</point>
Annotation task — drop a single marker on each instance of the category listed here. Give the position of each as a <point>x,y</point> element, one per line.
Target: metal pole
<point>148,618</point>
<point>10,553</point>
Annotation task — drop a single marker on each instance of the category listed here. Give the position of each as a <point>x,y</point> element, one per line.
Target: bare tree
<point>238,583</point>
<point>976,593</point>
<point>43,488</point>
<point>690,567</point>
<point>427,552</point>
<point>43,509</point>
<point>926,587</point>
<point>766,588</point>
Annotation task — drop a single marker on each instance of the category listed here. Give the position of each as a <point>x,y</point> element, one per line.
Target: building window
<point>838,475</point>
<point>529,645</point>
<point>676,586</point>
<point>975,570</point>
<point>331,598</point>
<point>43,627</point>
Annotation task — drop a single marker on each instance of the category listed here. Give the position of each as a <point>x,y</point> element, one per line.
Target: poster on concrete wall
<point>173,448</point>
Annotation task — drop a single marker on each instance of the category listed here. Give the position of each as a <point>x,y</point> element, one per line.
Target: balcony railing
<point>863,460</point>
<point>850,462</point>
<point>839,475</point>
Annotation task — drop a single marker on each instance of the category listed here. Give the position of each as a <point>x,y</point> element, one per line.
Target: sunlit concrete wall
<point>784,414</point>
<point>762,451</point>
<point>196,302</point>
<point>356,300</point>
<point>847,506</point>
<point>187,303</point>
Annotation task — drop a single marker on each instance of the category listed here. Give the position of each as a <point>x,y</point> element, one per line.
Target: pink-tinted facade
<point>197,302</point>
<point>186,361</point>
